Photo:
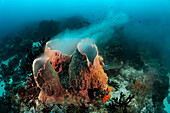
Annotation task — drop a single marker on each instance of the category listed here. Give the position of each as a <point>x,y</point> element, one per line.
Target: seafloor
<point>137,77</point>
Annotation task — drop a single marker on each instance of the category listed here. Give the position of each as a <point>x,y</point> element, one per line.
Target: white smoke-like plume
<point>66,40</point>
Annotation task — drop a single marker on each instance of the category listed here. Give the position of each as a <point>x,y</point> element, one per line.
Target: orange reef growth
<point>107,96</point>
<point>139,86</point>
<point>28,95</point>
<point>71,75</point>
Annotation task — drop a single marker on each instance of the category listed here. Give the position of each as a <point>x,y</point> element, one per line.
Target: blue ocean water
<point>146,21</point>
<point>153,14</point>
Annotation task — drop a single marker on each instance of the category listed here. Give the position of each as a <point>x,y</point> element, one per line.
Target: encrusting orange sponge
<point>107,97</point>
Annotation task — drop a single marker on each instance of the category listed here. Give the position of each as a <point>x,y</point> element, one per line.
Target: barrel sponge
<point>99,77</point>
<point>85,74</point>
<point>59,60</point>
<point>48,80</point>
<point>67,77</point>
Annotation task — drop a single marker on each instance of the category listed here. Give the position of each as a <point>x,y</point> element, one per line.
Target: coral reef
<point>76,80</point>
<point>70,75</point>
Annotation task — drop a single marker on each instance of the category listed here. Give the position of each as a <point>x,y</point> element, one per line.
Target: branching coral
<point>121,103</point>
